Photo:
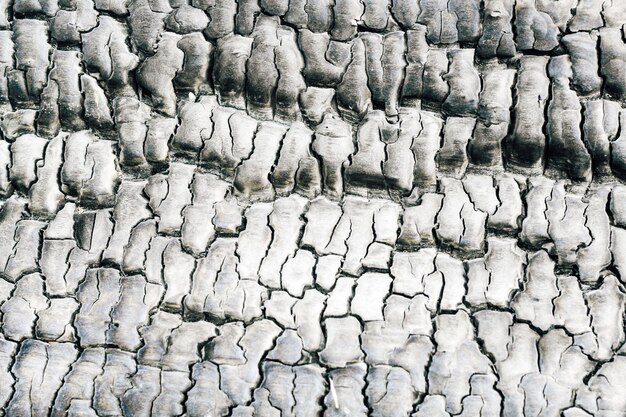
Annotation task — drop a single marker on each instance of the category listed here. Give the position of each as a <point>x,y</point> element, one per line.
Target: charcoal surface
<point>275,208</point>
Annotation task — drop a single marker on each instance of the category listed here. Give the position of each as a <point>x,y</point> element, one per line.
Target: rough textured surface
<point>312,208</point>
